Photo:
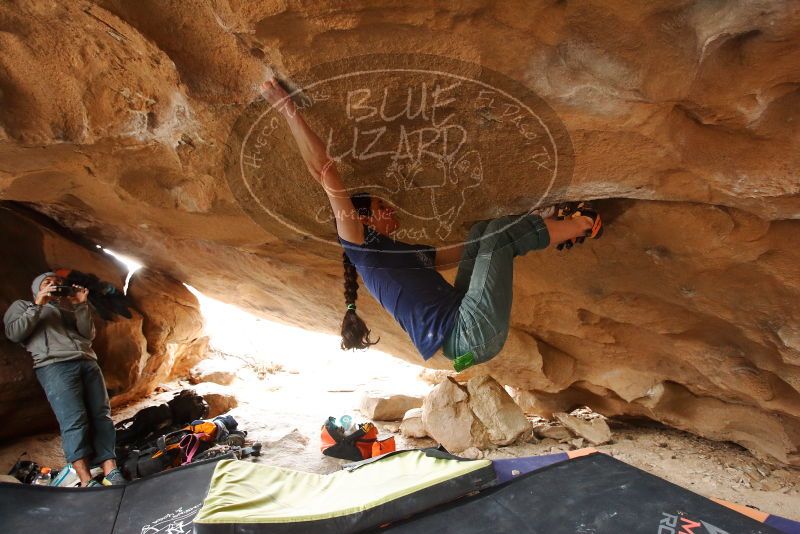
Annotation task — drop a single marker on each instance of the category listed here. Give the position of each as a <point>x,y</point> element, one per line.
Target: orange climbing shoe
<point>571,210</point>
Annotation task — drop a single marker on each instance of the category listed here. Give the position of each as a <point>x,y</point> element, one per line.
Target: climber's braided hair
<point>355,334</point>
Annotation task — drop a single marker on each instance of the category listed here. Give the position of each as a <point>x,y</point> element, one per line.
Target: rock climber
<point>468,321</point>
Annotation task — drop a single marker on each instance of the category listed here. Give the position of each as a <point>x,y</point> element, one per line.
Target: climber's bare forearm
<point>310,145</point>
<point>321,167</point>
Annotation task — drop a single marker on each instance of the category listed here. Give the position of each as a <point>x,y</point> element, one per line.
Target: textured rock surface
<point>595,430</point>
<point>387,407</point>
<point>132,357</point>
<point>412,425</point>
<point>502,417</point>
<point>556,432</point>
<point>173,325</point>
<point>685,115</point>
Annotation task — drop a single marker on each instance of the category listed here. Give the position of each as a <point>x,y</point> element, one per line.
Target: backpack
<point>185,407</point>
<point>145,422</point>
<point>363,443</point>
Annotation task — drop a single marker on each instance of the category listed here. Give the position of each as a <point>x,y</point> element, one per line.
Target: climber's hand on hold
<point>276,95</point>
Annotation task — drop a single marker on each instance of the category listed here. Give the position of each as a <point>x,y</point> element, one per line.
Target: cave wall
<point>684,119</point>
<point>163,336</point>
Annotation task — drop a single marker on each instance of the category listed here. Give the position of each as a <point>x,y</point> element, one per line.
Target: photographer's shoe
<point>114,478</point>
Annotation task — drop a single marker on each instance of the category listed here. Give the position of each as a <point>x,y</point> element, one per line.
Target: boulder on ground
<point>220,403</point>
<point>222,371</point>
<point>473,453</point>
<point>478,415</point>
<point>595,431</point>
<point>498,412</point>
<point>387,407</point>
<point>412,425</point>
<point>222,378</point>
<point>557,432</point>
<point>392,427</point>
<point>448,418</point>
<point>220,399</point>
<point>577,443</point>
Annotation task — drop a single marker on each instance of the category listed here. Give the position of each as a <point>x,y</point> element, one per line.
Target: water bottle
<point>43,478</point>
<point>66,477</point>
<point>346,422</point>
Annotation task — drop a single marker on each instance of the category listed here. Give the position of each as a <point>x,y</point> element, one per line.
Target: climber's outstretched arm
<point>321,167</point>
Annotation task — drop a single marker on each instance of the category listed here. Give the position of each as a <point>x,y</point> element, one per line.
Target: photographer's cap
<point>38,282</point>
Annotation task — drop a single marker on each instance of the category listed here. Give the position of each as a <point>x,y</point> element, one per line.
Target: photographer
<point>57,329</point>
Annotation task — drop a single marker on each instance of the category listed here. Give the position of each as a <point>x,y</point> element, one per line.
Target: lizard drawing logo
<point>431,136</point>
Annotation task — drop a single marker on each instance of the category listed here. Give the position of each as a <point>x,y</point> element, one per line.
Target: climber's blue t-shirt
<point>403,278</point>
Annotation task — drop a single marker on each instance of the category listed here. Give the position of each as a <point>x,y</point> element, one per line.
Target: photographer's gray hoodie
<point>50,333</point>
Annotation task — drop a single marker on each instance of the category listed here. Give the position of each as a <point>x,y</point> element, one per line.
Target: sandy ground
<point>286,390</point>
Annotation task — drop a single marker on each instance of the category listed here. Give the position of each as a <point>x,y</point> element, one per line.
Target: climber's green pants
<point>486,277</point>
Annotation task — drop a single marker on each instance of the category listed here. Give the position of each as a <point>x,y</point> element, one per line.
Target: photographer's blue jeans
<point>486,277</point>
<point>77,393</point>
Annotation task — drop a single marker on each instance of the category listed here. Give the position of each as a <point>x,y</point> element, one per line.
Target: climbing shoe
<point>93,484</point>
<point>114,478</point>
<point>572,210</point>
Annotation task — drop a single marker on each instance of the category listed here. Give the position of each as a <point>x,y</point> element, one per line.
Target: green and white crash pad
<point>248,497</point>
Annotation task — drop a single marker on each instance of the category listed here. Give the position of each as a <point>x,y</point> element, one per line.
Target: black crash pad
<point>159,504</point>
<point>592,494</point>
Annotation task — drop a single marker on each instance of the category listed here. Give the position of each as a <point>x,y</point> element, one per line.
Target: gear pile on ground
<point>176,433</point>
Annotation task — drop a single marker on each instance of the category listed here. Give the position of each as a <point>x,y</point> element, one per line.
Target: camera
<point>62,291</point>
